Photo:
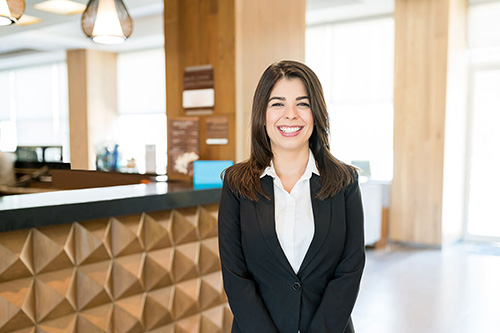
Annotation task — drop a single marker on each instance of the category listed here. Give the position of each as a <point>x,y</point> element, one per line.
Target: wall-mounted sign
<point>183,145</point>
<point>216,130</point>
<point>198,96</point>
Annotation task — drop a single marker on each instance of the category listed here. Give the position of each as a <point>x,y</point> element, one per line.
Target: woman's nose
<point>291,113</point>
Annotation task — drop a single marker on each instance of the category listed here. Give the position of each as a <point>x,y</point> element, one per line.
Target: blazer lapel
<point>322,221</point>
<point>265,213</point>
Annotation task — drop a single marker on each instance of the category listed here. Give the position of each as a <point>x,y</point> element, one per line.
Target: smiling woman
<point>334,173</point>
<point>288,263</point>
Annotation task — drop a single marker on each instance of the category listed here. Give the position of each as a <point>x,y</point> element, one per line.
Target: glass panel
<point>319,54</point>
<point>40,132</point>
<point>484,25</point>
<point>4,96</point>
<point>37,104</point>
<point>141,82</point>
<point>355,64</point>
<point>33,89</point>
<point>137,131</point>
<point>363,61</point>
<point>484,182</point>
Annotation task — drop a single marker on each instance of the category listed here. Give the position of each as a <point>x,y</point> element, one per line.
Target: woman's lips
<point>290,130</point>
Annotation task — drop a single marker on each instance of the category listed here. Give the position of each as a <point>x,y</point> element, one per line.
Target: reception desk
<point>376,204</point>
<point>135,258</point>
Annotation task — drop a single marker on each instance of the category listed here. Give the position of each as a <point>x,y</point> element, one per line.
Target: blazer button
<point>296,286</point>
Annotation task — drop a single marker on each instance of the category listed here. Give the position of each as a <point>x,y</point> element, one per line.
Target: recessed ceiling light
<point>28,20</point>
<point>62,7</point>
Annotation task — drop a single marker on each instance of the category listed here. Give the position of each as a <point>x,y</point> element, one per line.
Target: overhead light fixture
<point>61,7</point>
<point>107,21</point>
<point>11,11</point>
<point>28,20</point>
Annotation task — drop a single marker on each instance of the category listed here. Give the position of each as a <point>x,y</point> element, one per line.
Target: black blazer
<point>264,293</point>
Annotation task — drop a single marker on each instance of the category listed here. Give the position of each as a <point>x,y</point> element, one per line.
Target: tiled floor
<point>408,290</point>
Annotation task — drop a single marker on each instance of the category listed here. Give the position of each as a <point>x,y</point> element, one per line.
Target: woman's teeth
<point>290,129</point>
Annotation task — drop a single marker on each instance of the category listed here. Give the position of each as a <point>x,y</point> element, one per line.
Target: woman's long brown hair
<point>244,178</point>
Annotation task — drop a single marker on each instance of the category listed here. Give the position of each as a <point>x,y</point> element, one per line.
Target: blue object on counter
<point>206,174</point>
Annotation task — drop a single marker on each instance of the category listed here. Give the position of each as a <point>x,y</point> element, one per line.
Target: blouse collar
<point>310,168</point>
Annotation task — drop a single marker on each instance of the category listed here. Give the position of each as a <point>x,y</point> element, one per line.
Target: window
<point>354,62</point>
<point>483,160</point>
<point>141,107</point>
<point>34,107</point>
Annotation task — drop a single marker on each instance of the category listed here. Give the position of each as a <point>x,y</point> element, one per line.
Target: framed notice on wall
<point>183,146</point>
<point>198,96</point>
<point>216,130</point>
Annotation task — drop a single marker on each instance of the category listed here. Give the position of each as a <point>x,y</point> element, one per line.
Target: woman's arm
<point>340,294</point>
<point>246,304</point>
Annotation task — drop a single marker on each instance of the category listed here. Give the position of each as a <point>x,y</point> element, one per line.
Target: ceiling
<point>56,33</point>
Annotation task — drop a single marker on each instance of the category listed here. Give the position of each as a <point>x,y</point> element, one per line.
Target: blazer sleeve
<point>250,313</point>
<point>341,292</point>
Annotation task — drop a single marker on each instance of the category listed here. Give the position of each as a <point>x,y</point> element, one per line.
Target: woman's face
<point>289,120</point>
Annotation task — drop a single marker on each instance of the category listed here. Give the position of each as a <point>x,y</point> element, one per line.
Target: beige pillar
<point>429,115</point>
<point>266,31</point>
<point>92,103</point>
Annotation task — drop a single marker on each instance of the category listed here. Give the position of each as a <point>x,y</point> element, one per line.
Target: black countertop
<point>49,208</point>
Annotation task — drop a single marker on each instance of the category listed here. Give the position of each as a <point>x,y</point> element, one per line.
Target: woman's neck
<point>290,166</point>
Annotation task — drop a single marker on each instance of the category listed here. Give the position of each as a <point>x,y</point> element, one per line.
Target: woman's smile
<point>290,130</point>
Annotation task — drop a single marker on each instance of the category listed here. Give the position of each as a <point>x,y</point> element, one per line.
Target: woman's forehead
<point>289,86</point>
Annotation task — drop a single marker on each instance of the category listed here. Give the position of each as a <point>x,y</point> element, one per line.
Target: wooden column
<point>239,39</point>
<point>92,103</point>
<point>200,32</point>
<point>266,32</point>
<point>429,40</point>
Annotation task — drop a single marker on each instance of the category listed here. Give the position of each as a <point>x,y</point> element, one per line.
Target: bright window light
<point>357,79</point>
<point>61,7</point>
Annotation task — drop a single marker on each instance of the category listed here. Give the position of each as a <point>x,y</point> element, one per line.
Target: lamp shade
<point>11,11</point>
<point>107,21</point>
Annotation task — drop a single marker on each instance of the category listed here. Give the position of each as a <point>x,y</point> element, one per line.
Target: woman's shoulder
<point>236,175</point>
<point>236,170</point>
<point>242,180</point>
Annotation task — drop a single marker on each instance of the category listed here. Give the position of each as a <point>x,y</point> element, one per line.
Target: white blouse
<point>293,214</point>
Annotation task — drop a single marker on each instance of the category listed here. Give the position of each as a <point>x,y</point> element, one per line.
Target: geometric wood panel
<point>149,272</point>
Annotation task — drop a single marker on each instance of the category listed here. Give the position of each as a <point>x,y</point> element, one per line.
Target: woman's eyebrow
<point>284,99</point>
<point>277,97</point>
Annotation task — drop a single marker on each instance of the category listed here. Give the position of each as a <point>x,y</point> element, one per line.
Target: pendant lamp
<point>107,21</point>
<point>11,11</point>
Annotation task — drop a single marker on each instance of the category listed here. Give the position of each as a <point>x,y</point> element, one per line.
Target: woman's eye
<point>304,104</point>
<point>276,104</point>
